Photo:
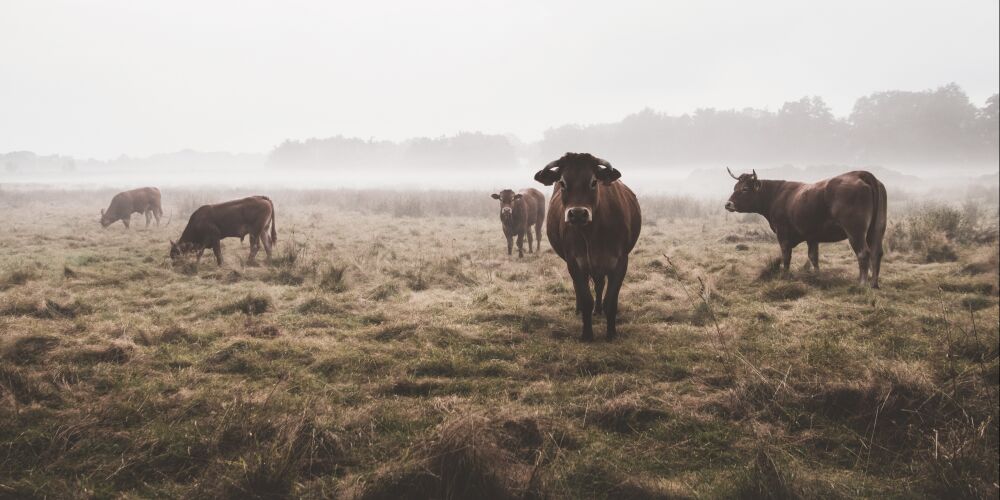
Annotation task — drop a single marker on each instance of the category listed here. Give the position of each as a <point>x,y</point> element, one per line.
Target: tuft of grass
<point>628,413</point>
<point>975,302</point>
<point>18,276</point>
<point>465,457</point>
<point>250,304</point>
<point>333,278</point>
<point>383,291</point>
<point>785,290</point>
<point>319,305</point>
<point>28,349</point>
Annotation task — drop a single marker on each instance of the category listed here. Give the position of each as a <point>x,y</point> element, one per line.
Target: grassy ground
<point>392,357</point>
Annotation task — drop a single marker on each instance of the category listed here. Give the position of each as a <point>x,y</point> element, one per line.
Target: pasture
<point>392,349</point>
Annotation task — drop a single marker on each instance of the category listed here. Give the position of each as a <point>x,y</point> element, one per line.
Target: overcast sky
<point>103,78</point>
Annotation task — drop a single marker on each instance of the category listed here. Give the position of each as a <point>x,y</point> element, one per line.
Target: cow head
<point>106,219</point>
<point>578,177</point>
<point>507,198</point>
<point>745,193</point>
<point>179,249</point>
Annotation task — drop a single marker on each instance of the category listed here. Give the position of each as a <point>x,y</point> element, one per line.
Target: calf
<point>518,212</point>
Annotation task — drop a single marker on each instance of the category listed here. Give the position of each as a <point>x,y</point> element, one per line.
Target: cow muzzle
<point>578,216</point>
<point>730,206</point>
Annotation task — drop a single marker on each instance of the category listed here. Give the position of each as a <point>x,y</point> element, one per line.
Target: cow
<point>143,201</point>
<point>518,212</point>
<point>593,224</point>
<point>209,224</point>
<point>850,206</point>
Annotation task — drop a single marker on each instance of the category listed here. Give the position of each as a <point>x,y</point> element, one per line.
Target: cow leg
<point>510,244</point>
<point>786,257</point>
<point>528,234</point>
<point>157,213</point>
<point>615,280</point>
<point>254,248</point>
<point>266,240</point>
<point>814,254</point>
<point>584,302</point>
<point>217,249</point>
<point>599,294</point>
<point>520,244</point>
<point>149,216</point>
<point>860,247</point>
<point>538,236</point>
<point>127,220</point>
<point>197,259</point>
<point>876,263</point>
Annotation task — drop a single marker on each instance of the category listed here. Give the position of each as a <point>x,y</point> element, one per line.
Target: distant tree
<point>988,118</point>
<point>931,125</point>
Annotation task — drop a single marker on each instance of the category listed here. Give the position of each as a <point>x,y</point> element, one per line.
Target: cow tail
<point>876,230</point>
<point>274,229</point>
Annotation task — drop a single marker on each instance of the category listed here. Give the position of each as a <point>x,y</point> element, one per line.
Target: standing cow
<point>143,201</point>
<point>593,224</point>
<point>849,206</point>
<point>518,212</point>
<point>209,224</point>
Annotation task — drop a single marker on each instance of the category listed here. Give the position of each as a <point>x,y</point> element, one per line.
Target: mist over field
<point>933,142</point>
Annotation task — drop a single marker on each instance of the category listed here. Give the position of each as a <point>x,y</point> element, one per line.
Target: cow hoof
<point>585,338</point>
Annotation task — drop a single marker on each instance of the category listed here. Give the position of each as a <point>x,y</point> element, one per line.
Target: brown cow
<point>518,212</point>
<point>593,224</point>
<point>143,201</point>
<point>850,206</point>
<point>232,219</point>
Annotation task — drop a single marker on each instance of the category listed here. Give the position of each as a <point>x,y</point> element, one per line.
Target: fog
<point>451,95</point>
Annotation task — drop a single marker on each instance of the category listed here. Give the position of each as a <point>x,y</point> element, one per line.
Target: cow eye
<point>593,184</point>
<point>562,183</point>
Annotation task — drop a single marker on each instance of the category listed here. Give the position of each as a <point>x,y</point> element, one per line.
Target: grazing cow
<point>849,206</point>
<point>143,201</point>
<point>232,219</point>
<point>593,224</point>
<point>518,212</point>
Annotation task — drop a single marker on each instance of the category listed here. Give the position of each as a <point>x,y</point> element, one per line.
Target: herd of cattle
<point>593,222</point>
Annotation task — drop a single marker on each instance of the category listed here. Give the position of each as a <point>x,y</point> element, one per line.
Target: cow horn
<point>731,174</point>
<point>754,173</point>
<point>602,162</point>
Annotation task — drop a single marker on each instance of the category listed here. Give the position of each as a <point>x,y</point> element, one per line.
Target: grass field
<point>387,356</point>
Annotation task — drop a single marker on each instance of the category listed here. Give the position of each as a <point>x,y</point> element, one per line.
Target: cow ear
<point>608,175</point>
<point>495,196</point>
<point>756,184</point>
<point>550,174</point>
<point>518,196</point>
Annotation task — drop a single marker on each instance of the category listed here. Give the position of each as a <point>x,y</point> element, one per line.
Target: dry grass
<point>385,355</point>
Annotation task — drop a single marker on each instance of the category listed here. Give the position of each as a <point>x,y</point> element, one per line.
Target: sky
<point>100,78</point>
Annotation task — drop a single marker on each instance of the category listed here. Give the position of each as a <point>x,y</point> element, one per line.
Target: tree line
<point>937,126</point>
